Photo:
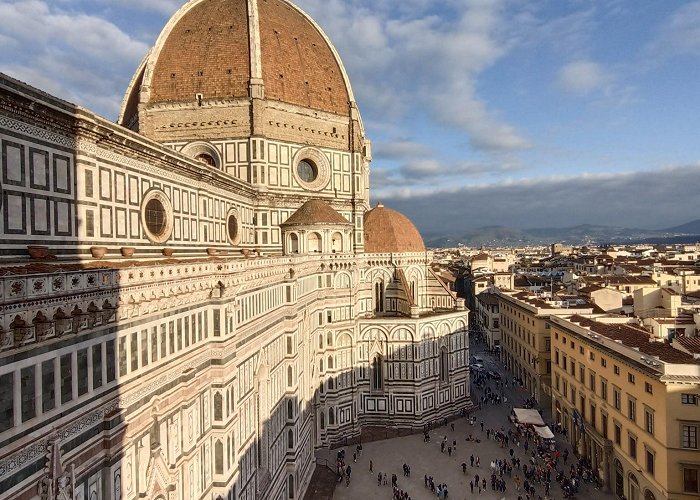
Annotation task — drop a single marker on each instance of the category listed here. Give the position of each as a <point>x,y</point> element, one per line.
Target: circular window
<point>157,216</point>
<point>307,171</point>
<point>203,152</point>
<point>233,227</point>
<point>206,158</point>
<point>312,170</point>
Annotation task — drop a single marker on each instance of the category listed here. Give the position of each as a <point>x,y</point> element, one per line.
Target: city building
<point>629,404</point>
<point>526,337</point>
<point>197,298</point>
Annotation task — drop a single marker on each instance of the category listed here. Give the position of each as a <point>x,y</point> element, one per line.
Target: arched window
<point>337,243</point>
<point>289,345</point>
<point>218,406</point>
<point>290,410</point>
<point>314,243</point>
<point>290,377</point>
<point>218,457</point>
<point>290,486</point>
<point>330,383</point>
<point>377,375</point>
<point>320,365</point>
<point>379,296</point>
<point>329,338</point>
<point>444,365</point>
<point>330,362</point>
<point>320,341</point>
<point>331,416</point>
<point>323,420</point>
<point>290,439</point>
<point>293,243</point>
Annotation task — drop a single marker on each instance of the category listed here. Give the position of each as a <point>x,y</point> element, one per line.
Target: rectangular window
<point>134,351</point>
<point>603,362</point>
<point>82,372</point>
<point>163,341</point>
<point>28,393</point>
<point>573,367</point>
<point>111,368</point>
<point>179,334</point>
<point>171,336</point>
<point>48,386</point>
<point>604,425</point>
<point>591,381</point>
<point>690,480</point>
<point>7,404</point>
<point>582,374</point>
<point>217,323</point>
<point>66,379</point>
<point>96,366</point>
<point>648,388</point>
<point>632,409</point>
<point>616,369</point>
<point>593,416</point>
<point>650,461</point>
<point>630,378</point>
<point>187,332</point>
<point>618,434</point>
<point>689,437</point>
<point>617,398</point>
<point>649,421</point>
<point>633,446</point>
<point>122,357</point>
<point>689,399</point>
<point>604,389</point>
<point>154,344</point>
<point>144,347</point>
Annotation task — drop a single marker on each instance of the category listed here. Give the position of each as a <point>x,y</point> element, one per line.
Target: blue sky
<point>470,104</point>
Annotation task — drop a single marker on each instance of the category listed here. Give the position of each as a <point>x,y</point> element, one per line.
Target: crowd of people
<point>528,465</point>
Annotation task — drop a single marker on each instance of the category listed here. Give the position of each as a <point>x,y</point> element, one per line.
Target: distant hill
<point>576,235</point>
<point>692,227</point>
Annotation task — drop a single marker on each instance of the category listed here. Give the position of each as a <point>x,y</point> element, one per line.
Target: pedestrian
<point>464,468</point>
<point>482,426</point>
<point>449,450</point>
<point>371,464</point>
<point>471,486</point>
<point>452,426</point>
<point>471,461</point>
<point>354,457</point>
<point>384,479</point>
<point>379,478</point>
<point>478,462</point>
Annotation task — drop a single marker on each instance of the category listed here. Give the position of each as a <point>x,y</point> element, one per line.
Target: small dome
<point>389,231</point>
<point>315,212</point>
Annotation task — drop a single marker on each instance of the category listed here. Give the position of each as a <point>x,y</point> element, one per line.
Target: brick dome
<point>389,231</point>
<point>218,49</point>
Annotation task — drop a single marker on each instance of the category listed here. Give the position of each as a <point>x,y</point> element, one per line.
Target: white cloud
<point>584,77</point>
<point>401,61</point>
<point>79,57</point>
<point>680,33</point>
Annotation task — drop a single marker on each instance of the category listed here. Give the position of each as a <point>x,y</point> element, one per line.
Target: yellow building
<point>525,333</point>
<point>628,404</point>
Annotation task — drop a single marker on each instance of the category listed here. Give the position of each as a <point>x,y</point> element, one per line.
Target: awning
<point>528,417</point>
<point>544,432</point>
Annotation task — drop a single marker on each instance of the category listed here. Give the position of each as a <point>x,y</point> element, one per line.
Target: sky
<point>521,113</point>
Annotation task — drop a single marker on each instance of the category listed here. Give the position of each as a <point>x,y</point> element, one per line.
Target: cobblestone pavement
<point>425,458</point>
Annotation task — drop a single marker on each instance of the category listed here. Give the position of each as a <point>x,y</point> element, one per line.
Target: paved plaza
<point>425,458</point>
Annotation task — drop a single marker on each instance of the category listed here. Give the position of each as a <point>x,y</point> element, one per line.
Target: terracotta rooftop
<point>207,51</point>
<point>632,336</point>
<point>690,343</point>
<point>389,231</point>
<point>315,212</point>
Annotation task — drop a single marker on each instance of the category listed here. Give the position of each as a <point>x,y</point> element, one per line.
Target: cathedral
<point>198,299</point>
